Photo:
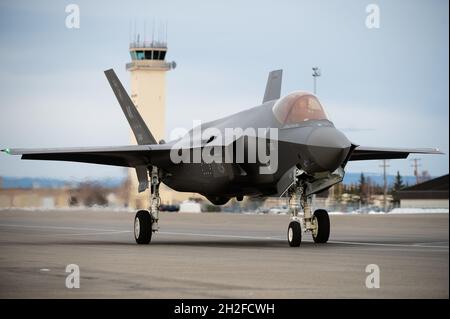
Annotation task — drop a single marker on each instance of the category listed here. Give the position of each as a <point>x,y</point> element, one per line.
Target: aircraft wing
<point>127,156</point>
<point>364,153</point>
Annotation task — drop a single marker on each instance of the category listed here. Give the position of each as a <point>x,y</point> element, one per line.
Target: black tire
<point>294,234</point>
<point>323,224</point>
<point>143,227</point>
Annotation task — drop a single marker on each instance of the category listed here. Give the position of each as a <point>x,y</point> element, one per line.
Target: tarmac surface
<point>219,255</point>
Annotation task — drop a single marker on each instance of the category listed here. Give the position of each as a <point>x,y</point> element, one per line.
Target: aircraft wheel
<point>294,234</point>
<point>143,227</point>
<point>322,221</point>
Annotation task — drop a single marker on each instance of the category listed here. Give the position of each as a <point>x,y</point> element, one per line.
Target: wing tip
<point>434,150</point>
<point>6,150</point>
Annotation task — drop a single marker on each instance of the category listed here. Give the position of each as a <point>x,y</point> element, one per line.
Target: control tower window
<point>140,55</point>
<point>148,55</point>
<point>298,107</point>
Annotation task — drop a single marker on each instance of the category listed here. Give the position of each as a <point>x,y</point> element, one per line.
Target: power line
<point>416,166</point>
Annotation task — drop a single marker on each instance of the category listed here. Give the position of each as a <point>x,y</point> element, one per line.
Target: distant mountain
<point>37,182</point>
<point>34,182</point>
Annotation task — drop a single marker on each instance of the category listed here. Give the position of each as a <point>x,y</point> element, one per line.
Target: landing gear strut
<point>317,223</point>
<point>146,222</point>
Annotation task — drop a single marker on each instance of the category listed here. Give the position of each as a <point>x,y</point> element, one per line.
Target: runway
<point>219,255</point>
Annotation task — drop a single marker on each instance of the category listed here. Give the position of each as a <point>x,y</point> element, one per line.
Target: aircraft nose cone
<point>328,147</point>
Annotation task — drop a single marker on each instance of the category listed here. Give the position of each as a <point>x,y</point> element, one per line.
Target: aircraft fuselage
<point>314,146</point>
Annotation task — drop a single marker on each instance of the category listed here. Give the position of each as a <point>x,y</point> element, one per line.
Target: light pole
<point>316,73</point>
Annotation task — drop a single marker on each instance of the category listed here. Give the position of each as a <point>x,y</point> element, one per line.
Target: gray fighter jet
<point>284,147</point>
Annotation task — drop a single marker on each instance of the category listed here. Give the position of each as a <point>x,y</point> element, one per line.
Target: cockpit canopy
<point>298,107</point>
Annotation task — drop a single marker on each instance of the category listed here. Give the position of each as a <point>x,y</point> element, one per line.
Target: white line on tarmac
<point>278,238</point>
<point>98,233</point>
<point>217,235</point>
<point>382,244</point>
<point>112,231</point>
<point>59,227</point>
<point>431,242</point>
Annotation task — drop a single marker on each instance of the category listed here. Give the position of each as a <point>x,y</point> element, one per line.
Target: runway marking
<point>308,241</point>
<point>103,231</point>
<point>59,227</point>
<point>218,235</point>
<point>431,242</point>
<point>98,230</point>
<point>382,244</point>
<point>98,233</point>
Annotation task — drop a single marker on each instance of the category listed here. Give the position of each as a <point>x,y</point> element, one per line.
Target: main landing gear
<point>146,222</point>
<point>318,223</point>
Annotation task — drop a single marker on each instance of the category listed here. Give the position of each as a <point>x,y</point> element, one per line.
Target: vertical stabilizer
<point>273,86</point>
<point>140,130</point>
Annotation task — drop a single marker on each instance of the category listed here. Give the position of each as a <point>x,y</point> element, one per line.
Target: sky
<point>385,86</point>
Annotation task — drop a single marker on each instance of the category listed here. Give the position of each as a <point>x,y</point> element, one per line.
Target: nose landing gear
<point>317,223</point>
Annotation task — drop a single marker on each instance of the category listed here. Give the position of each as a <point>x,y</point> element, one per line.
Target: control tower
<point>148,69</point>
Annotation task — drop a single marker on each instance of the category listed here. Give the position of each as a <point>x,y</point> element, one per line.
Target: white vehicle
<point>190,207</point>
<point>278,210</point>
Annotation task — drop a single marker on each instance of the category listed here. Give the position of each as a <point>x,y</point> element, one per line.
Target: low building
<point>429,194</point>
<point>84,195</point>
<point>34,198</point>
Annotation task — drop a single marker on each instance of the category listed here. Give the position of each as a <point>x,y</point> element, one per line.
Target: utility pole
<point>416,166</point>
<point>316,73</point>
<point>384,166</point>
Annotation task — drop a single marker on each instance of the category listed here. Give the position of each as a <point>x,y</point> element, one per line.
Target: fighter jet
<point>287,146</point>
